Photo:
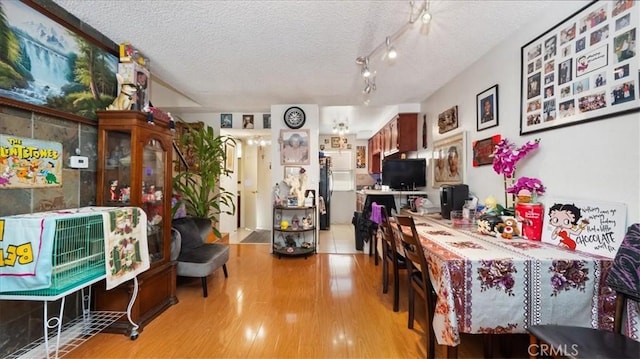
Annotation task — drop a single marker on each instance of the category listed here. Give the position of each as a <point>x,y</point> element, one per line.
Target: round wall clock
<point>294,117</point>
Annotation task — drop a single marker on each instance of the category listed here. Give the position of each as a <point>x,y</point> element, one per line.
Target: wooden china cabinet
<point>134,169</point>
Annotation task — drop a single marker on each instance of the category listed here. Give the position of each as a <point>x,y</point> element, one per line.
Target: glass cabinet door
<point>117,173</point>
<point>153,167</point>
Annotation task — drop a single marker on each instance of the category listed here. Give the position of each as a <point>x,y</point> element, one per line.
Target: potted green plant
<point>198,188</point>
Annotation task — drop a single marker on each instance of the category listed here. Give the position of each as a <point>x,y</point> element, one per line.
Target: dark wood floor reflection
<point>325,306</point>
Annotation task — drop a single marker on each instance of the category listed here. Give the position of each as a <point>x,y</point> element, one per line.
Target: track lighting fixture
<point>421,12</point>
<point>391,51</point>
<point>426,17</point>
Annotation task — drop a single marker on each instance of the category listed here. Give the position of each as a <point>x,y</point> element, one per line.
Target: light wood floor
<point>325,306</point>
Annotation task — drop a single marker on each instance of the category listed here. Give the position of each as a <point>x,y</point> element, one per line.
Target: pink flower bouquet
<point>506,156</point>
<point>533,185</point>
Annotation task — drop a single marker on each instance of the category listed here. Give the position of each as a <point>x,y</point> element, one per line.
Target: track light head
<point>366,72</point>
<point>426,17</point>
<point>391,51</point>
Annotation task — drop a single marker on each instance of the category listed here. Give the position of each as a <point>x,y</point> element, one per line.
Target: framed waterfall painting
<point>52,68</point>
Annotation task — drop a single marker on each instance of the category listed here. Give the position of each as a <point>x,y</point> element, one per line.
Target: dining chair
<point>390,256</point>
<point>418,274</point>
<point>576,342</point>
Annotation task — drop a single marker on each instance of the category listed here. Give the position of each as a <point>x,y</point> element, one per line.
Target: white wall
<point>312,113</point>
<point>598,160</point>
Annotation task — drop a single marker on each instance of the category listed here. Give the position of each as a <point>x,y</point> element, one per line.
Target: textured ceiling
<point>244,56</point>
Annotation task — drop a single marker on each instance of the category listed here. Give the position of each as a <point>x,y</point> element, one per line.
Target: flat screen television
<point>404,174</point>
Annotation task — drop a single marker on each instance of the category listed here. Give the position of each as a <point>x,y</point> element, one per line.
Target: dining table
<point>491,285</point>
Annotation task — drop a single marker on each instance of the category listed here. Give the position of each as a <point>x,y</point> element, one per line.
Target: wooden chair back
<point>408,234</point>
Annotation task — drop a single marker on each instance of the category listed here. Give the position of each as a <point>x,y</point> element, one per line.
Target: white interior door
<point>263,197</point>
<point>250,186</point>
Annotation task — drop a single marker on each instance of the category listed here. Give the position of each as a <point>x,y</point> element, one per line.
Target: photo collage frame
<point>583,69</point>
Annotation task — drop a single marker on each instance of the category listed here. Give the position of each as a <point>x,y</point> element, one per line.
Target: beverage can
<point>531,215</point>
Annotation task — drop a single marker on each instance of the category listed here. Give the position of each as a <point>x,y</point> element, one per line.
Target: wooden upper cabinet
<point>401,134</point>
<point>393,135</point>
<point>407,129</point>
<point>398,136</point>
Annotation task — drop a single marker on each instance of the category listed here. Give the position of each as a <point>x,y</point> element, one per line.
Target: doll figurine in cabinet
<point>125,194</point>
<point>113,190</point>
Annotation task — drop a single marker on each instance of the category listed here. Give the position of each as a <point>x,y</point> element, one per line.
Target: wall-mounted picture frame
<point>583,58</point>
<point>226,120</point>
<point>361,156</point>
<point>335,142</point>
<point>483,150</point>
<point>183,146</point>
<point>448,162</point>
<point>448,120</point>
<point>266,120</point>
<point>487,108</point>
<point>65,63</point>
<point>294,147</point>
<point>247,122</point>
<point>291,171</point>
<point>229,156</point>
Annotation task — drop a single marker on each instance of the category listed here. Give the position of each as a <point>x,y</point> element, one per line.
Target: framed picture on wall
<point>43,80</point>
<point>226,120</point>
<point>588,68</point>
<point>483,150</point>
<point>229,156</point>
<point>294,147</point>
<point>447,165</point>
<point>487,108</point>
<point>448,120</point>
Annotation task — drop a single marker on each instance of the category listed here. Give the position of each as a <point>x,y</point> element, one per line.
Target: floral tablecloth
<point>493,285</point>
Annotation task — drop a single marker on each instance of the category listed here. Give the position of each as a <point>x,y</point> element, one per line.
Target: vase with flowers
<point>505,158</point>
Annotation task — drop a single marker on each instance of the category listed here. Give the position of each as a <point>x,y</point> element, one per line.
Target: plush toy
<point>508,228</point>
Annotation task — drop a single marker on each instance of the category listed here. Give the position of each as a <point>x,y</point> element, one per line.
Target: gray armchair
<point>196,257</point>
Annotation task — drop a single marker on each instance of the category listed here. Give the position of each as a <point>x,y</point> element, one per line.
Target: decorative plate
<point>294,117</point>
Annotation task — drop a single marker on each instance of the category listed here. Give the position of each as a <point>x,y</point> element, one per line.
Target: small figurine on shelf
<point>125,99</point>
<point>277,199</point>
<point>172,122</point>
<point>125,194</point>
<point>295,222</point>
<point>149,194</point>
<point>113,190</point>
<point>306,222</point>
<point>150,119</point>
<point>289,241</point>
<point>308,201</point>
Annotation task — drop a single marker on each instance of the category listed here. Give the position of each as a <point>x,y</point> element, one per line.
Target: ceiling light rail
<point>421,12</point>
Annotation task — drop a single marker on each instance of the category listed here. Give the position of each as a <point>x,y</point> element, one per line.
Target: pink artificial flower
<point>533,185</point>
<point>506,156</point>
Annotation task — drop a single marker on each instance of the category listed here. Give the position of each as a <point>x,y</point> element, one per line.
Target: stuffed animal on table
<point>508,229</point>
